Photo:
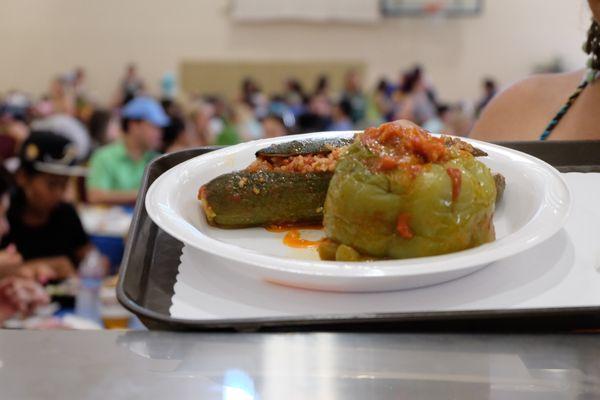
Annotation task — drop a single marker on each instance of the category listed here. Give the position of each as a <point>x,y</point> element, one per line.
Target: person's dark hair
<point>489,84</point>
<point>345,107</point>
<point>172,131</point>
<point>249,89</point>
<point>248,85</point>
<point>6,181</point>
<point>322,84</point>
<point>592,46</point>
<point>166,104</point>
<point>382,86</point>
<point>442,109</point>
<point>172,108</point>
<point>409,82</point>
<point>277,98</point>
<point>211,99</point>
<point>295,86</point>
<point>98,124</point>
<point>417,71</point>
<point>125,124</point>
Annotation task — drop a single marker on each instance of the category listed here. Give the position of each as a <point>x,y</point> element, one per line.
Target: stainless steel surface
<point>160,365</point>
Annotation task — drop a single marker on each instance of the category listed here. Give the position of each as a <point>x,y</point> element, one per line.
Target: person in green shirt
<point>116,170</point>
<point>228,136</point>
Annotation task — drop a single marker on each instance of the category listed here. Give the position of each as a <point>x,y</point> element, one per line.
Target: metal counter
<point>162,365</point>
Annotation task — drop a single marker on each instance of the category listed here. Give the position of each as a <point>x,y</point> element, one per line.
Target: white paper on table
<point>564,271</point>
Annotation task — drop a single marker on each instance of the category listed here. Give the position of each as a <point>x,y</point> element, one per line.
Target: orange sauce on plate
<point>293,238</point>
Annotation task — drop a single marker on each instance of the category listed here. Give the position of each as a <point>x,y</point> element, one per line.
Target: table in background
<point>87,304</point>
<point>108,228</point>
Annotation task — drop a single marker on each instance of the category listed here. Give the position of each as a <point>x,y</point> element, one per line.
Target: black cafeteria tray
<point>151,261</point>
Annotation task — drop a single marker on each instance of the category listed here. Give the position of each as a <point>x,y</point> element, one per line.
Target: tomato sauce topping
<point>456,178</point>
<point>403,227</point>
<point>401,144</point>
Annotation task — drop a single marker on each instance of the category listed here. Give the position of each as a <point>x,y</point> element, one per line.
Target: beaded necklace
<point>589,77</point>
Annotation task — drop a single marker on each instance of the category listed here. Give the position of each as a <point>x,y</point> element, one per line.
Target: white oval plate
<point>534,207</point>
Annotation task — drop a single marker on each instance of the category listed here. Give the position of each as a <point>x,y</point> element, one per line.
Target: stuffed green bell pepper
<point>398,192</point>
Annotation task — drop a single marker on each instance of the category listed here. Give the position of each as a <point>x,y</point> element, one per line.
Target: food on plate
<point>286,184</point>
<point>390,192</point>
<point>303,147</point>
<point>500,182</point>
<point>245,198</point>
<point>399,192</point>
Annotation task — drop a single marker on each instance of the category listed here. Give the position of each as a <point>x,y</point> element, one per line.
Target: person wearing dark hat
<point>20,289</point>
<point>116,169</point>
<point>44,228</point>
<point>11,261</point>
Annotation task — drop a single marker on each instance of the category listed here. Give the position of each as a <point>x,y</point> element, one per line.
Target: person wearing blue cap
<point>116,170</point>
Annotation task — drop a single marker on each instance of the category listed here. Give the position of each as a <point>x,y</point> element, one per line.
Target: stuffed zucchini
<point>245,198</point>
<point>286,184</point>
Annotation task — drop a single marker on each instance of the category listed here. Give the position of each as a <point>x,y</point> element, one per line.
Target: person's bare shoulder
<point>523,110</point>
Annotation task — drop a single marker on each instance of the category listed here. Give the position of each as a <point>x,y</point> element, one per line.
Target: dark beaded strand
<point>563,110</point>
<point>592,48</point>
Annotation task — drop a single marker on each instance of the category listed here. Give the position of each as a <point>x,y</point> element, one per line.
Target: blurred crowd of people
<point>211,119</point>
<point>65,148</point>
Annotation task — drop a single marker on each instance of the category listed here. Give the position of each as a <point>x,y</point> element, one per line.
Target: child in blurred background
<point>45,229</point>
<point>17,293</point>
